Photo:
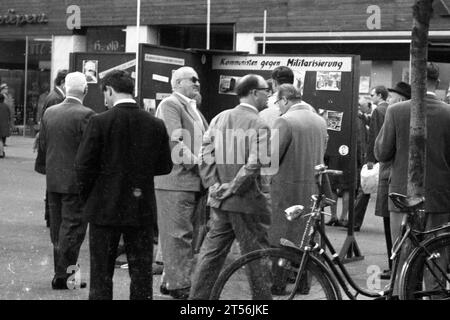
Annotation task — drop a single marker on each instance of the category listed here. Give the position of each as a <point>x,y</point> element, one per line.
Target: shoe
<point>180,294</point>
<point>157,268</point>
<point>61,284</point>
<point>3,155</point>
<point>334,223</point>
<point>385,275</point>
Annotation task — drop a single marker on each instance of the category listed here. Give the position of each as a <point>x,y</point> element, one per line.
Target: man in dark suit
<point>178,193</point>
<point>392,144</point>
<point>238,196</point>
<point>56,96</point>
<point>61,130</point>
<point>120,153</point>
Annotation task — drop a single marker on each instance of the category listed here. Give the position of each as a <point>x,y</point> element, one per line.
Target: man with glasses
<point>179,192</point>
<point>280,75</point>
<point>238,196</point>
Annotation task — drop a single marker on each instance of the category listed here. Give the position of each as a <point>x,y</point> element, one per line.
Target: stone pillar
<point>62,46</point>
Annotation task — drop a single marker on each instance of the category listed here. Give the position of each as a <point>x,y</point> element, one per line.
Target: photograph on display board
<point>333,119</point>
<point>299,79</point>
<point>227,84</point>
<point>328,81</point>
<point>90,70</point>
<point>150,105</point>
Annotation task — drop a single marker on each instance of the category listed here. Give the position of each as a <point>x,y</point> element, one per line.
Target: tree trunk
<point>422,12</point>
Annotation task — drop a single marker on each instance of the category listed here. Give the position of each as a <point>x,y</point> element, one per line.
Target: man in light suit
<point>121,151</point>
<point>302,140</point>
<point>392,144</point>
<point>238,196</point>
<point>178,193</point>
<point>61,130</point>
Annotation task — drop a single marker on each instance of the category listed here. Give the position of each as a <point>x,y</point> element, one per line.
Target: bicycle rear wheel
<point>426,273</point>
<point>280,267</point>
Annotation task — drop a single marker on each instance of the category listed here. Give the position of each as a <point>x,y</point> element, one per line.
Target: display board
<point>95,66</point>
<point>328,83</point>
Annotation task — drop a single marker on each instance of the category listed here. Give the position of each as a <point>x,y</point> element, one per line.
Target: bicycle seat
<point>406,204</point>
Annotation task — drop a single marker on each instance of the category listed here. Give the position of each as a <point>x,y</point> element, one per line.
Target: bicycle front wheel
<point>271,274</point>
<point>426,272</point>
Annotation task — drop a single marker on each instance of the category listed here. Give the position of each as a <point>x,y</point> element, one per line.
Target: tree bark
<point>422,12</point>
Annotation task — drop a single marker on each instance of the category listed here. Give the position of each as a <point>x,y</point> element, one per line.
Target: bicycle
<point>306,271</point>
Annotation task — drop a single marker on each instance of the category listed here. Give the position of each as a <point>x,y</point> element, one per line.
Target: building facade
<point>38,35</point>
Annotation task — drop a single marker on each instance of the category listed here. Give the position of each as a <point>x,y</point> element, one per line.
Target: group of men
<point>100,170</point>
<point>124,171</point>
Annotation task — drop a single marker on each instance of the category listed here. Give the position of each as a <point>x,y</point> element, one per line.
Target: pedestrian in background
<point>5,125</point>
<point>9,101</point>
<point>61,130</point>
<point>120,153</point>
<point>178,194</point>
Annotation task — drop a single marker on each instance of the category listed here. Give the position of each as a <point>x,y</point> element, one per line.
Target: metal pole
<point>264,31</point>
<point>138,35</point>
<point>208,23</point>
<point>26,88</point>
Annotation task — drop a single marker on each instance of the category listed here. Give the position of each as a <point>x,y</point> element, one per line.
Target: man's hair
<point>283,75</point>
<point>2,98</point>
<point>119,80</point>
<point>247,84</point>
<point>179,74</point>
<point>432,72</point>
<point>75,83</point>
<point>60,77</point>
<point>383,91</point>
<point>290,92</point>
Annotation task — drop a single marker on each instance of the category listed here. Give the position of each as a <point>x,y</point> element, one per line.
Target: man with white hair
<point>178,193</point>
<point>62,127</point>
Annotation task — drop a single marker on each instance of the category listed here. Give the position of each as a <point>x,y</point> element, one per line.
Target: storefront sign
<point>11,18</point>
<point>343,64</point>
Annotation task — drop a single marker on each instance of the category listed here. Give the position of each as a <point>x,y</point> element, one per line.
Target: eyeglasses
<point>278,101</point>
<point>193,79</point>
<point>265,89</point>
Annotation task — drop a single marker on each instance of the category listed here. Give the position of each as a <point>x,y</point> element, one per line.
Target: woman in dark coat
<point>5,116</point>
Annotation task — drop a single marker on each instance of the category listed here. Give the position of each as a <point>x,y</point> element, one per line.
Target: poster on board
<point>329,81</point>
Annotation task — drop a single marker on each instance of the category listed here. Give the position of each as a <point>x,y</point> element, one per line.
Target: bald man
<point>178,193</point>
<point>62,127</point>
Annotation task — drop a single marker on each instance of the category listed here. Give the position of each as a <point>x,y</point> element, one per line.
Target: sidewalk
<point>26,258</point>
